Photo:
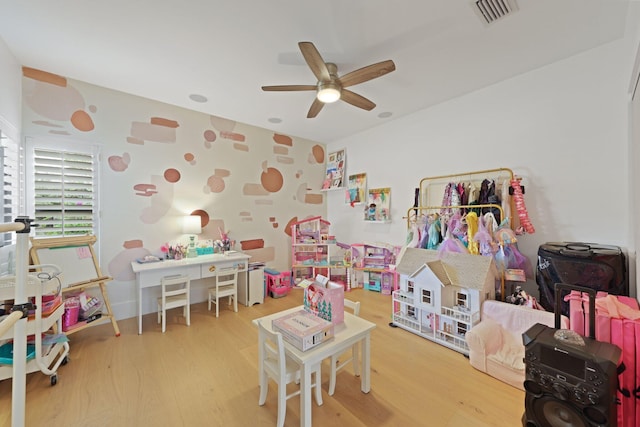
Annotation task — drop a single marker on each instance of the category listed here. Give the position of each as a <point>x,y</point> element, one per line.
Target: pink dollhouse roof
<point>313,218</point>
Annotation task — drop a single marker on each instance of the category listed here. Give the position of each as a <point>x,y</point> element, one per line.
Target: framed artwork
<point>335,170</point>
<point>356,189</point>
<point>378,208</point>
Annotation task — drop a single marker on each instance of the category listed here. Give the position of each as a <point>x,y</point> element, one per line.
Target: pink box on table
<point>302,329</point>
<point>325,301</point>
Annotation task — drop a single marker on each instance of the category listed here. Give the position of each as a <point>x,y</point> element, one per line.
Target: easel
<point>77,260</point>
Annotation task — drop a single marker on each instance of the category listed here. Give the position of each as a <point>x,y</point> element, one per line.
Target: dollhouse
<point>440,298</point>
<point>314,251</point>
<point>373,267</point>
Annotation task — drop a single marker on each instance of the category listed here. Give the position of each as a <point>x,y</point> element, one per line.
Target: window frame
<point>57,144</point>
<point>427,296</point>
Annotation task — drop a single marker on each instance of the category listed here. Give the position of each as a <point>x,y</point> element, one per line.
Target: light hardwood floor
<point>206,375</point>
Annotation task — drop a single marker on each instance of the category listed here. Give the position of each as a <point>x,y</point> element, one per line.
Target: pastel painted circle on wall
<point>204,217</point>
<point>82,121</point>
<point>119,163</point>
<point>287,228</point>
<point>172,175</point>
<point>318,153</point>
<point>272,180</point>
<point>215,184</point>
<point>209,135</point>
<point>189,157</point>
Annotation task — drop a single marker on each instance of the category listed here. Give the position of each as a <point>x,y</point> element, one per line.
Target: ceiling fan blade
<point>367,73</point>
<point>314,61</point>
<point>315,108</point>
<point>357,100</point>
<point>289,87</point>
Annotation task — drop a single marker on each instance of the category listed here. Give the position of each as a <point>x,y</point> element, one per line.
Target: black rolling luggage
<point>591,265</point>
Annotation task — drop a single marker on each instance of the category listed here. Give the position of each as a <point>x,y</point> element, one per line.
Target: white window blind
<point>10,181</point>
<point>65,199</point>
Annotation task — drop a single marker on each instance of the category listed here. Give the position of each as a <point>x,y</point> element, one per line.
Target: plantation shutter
<point>10,181</point>
<point>64,192</point>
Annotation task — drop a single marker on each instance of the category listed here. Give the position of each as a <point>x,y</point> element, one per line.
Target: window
<point>462,328</point>
<point>10,181</point>
<point>426,296</point>
<point>461,300</point>
<point>63,188</point>
<point>410,286</point>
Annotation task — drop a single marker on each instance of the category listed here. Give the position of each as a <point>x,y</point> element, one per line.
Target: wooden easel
<point>80,270</point>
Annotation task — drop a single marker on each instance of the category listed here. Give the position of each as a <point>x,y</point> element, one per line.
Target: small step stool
<point>278,283</point>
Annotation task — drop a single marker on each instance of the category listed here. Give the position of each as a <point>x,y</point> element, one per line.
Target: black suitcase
<point>591,265</point>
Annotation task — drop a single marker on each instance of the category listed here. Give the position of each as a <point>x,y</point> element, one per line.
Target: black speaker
<point>570,380</point>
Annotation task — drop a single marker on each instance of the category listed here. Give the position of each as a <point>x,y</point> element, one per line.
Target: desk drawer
<point>209,269</point>
<point>152,277</point>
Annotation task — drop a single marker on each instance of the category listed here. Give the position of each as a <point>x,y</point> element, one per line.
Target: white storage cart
<point>48,357</point>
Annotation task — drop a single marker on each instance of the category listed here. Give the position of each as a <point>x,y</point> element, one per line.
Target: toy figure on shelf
<point>371,212</point>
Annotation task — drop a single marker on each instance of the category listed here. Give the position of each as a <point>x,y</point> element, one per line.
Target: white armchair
<point>495,344</point>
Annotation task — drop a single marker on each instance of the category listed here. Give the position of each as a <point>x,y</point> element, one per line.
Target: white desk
<point>353,330</point>
<point>200,267</point>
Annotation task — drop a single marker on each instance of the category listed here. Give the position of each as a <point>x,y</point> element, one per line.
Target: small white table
<point>200,267</point>
<point>354,330</point>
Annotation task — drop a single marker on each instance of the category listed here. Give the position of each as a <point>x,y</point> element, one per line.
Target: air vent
<point>491,11</point>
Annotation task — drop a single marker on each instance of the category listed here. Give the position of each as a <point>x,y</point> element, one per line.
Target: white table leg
<point>139,307</point>
<point>365,379</point>
<point>305,395</point>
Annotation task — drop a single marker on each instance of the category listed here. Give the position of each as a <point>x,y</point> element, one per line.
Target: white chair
<point>226,286</point>
<point>338,361</point>
<point>175,293</point>
<point>274,364</point>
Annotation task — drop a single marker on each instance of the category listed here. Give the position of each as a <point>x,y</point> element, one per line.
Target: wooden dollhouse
<point>440,298</point>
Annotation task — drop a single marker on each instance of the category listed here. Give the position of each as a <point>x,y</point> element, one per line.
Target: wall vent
<point>491,11</point>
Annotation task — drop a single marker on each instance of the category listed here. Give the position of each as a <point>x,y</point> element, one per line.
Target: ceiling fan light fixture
<point>328,92</point>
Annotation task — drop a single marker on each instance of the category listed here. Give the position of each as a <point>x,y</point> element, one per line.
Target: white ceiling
<point>227,49</point>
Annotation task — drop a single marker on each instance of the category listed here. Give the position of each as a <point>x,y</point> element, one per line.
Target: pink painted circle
<point>209,135</point>
<point>204,217</point>
<point>318,153</point>
<point>272,180</point>
<point>172,175</point>
<point>215,184</point>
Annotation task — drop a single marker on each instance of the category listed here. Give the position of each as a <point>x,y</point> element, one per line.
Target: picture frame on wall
<point>334,176</point>
<point>378,207</point>
<point>356,193</point>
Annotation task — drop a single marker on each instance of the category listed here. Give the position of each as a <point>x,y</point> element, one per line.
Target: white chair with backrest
<point>175,293</point>
<point>226,286</point>
<point>339,361</point>
<point>275,365</point>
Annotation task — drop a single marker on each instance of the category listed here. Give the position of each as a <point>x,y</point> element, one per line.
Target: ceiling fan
<point>330,86</point>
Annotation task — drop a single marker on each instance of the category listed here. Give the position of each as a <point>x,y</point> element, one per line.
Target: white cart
<point>48,357</point>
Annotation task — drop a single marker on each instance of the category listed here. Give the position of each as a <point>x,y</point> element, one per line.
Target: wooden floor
<point>206,375</point>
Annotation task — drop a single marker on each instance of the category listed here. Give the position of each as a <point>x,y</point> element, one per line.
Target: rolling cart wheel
<point>65,360</point>
<point>54,379</point>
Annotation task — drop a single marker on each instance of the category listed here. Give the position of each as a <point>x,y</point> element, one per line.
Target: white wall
<point>562,128</point>
<point>10,93</point>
